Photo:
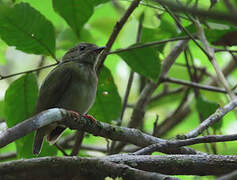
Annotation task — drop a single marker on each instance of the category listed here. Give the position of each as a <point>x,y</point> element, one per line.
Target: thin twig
<point>148,44</point>
<point>198,12</point>
<point>185,30</point>
<point>29,71</point>
<point>212,119</point>
<point>129,85</point>
<point>179,143</point>
<point>117,28</point>
<point>212,59</point>
<point>194,85</point>
<point>154,133</point>
<point>165,93</point>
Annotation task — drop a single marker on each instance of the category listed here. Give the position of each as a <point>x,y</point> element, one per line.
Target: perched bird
<point>71,85</point>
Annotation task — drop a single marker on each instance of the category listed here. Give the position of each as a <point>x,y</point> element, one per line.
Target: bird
<point>71,85</point>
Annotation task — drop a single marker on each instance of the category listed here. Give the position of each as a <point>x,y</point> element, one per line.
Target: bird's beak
<point>99,49</point>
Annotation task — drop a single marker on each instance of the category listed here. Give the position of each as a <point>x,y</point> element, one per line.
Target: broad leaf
<point>76,12</point>
<point>107,106</point>
<point>144,61</point>
<point>1,110</point>
<point>27,29</point>
<point>20,100</point>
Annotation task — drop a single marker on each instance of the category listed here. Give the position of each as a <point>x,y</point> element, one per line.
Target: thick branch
<point>73,168</point>
<point>105,166</point>
<point>81,123</point>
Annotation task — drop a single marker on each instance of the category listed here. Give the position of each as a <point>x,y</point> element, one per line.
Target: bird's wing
<point>53,87</point>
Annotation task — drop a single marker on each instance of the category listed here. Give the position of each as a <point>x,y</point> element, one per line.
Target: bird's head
<point>83,52</point>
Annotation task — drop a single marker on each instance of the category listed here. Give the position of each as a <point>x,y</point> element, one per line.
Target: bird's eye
<point>82,48</point>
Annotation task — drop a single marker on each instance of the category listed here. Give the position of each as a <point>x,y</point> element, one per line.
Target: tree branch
<point>73,168</point>
<point>68,119</point>
<point>120,165</point>
<point>176,7</point>
<point>194,84</point>
<point>139,109</point>
<point>119,25</point>
<point>212,119</point>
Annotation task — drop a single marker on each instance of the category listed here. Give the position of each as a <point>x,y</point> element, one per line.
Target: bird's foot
<point>90,117</point>
<point>75,114</point>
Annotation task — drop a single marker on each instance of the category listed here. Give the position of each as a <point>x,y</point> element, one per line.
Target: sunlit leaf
<point>27,29</point>
<point>1,110</point>
<point>144,61</point>
<point>76,12</point>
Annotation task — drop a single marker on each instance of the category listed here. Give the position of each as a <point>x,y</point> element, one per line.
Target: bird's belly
<point>80,97</point>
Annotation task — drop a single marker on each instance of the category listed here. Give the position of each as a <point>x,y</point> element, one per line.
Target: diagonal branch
<point>119,25</point>
<point>68,119</point>
<point>212,119</point>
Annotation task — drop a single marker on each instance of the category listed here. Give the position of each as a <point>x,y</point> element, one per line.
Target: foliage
<point>48,28</point>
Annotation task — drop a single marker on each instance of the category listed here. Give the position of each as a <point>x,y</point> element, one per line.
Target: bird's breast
<point>81,94</point>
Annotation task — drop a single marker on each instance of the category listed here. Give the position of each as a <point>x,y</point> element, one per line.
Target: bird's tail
<point>38,141</point>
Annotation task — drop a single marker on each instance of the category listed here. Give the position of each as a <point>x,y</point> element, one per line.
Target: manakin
<point>71,85</point>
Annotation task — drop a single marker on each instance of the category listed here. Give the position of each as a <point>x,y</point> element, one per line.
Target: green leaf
<point>1,110</point>
<point>67,39</point>
<point>206,108</point>
<point>144,61</point>
<point>76,12</point>
<point>27,29</point>
<point>107,106</point>
<point>20,100</point>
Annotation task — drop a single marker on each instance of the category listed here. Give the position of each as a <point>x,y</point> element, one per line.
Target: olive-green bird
<point>71,85</point>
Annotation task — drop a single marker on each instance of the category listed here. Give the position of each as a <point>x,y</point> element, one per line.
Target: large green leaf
<point>27,29</point>
<point>107,106</point>
<point>20,100</point>
<point>76,12</point>
<point>144,61</point>
<point>1,110</point>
